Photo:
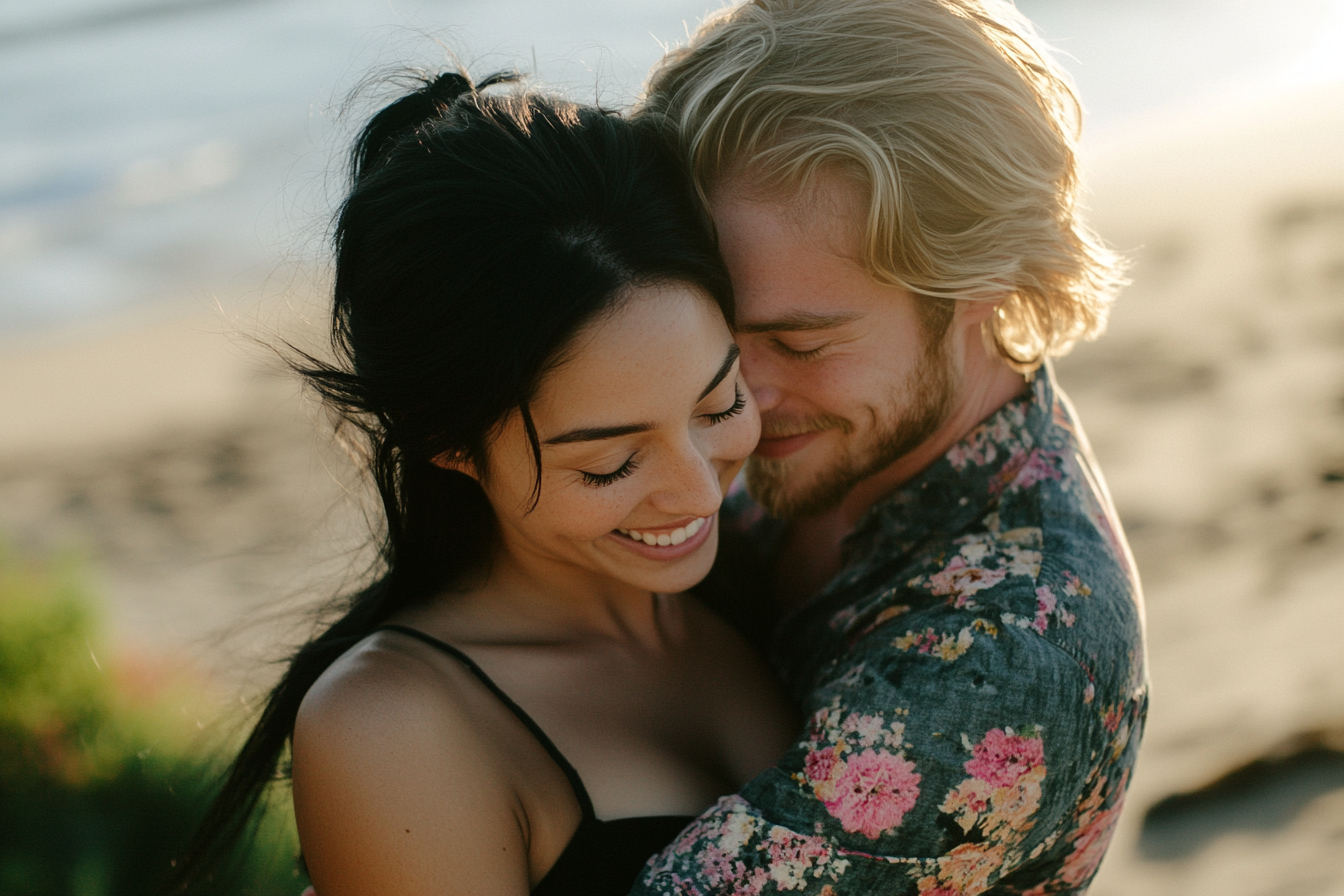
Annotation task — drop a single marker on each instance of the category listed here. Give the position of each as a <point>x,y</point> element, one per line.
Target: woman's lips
<point>669,551</point>
<point>783,447</point>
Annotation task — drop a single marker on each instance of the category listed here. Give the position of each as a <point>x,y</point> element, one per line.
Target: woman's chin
<point>672,575</point>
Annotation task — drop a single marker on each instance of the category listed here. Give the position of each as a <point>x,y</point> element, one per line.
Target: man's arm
<point>950,756</point>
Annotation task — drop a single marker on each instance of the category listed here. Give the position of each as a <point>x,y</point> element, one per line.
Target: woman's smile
<point>666,543</point>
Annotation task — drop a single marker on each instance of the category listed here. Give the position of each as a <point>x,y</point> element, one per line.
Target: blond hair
<point>951,117</point>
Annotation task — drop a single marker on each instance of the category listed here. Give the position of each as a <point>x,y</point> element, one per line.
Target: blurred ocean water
<point>173,149</point>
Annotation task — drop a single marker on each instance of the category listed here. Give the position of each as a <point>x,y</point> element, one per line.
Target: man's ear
<point>976,312</point>
<point>973,321</point>
<point>456,461</point>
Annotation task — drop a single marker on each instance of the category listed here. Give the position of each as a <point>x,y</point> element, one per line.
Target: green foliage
<point>101,779</point>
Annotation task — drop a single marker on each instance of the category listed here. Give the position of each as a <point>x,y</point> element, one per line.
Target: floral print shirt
<point>974,682</point>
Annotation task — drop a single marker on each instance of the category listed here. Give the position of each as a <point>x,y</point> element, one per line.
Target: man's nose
<point>756,372</point>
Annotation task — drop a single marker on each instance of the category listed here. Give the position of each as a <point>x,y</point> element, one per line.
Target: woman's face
<point>642,428</point>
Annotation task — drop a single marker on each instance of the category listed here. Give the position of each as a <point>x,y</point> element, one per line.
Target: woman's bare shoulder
<point>396,784</point>
<point>378,680</point>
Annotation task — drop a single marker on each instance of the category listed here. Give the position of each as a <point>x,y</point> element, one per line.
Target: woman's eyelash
<point>600,479</point>
<point>739,403</point>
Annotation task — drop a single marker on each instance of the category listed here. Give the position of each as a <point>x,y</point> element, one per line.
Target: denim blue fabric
<point>975,686</point>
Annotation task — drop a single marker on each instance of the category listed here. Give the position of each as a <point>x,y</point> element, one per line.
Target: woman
<point>530,317</point>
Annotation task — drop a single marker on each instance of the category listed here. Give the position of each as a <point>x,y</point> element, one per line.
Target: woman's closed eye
<point>739,402</point>
<point>599,480</point>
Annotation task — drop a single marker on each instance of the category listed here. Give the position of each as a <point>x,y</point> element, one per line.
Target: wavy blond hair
<point>951,117</point>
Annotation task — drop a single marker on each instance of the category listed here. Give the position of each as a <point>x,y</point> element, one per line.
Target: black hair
<point>481,231</point>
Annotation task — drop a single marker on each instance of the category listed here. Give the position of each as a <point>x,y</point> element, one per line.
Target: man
<point>894,188</point>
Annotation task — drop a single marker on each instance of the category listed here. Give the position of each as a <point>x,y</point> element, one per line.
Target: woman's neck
<point>527,599</point>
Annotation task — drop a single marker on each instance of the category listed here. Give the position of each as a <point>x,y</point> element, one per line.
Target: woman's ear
<point>456,461</point>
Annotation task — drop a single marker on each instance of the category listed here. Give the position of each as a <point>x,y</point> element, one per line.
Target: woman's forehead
<point>658,349</point>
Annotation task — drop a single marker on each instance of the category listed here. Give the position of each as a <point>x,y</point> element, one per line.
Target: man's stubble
<point>914,412</point>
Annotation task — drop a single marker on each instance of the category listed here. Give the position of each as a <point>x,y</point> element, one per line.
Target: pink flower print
<point>683,887</point>
<point>1023,470</point>
<point>945,647</point>
<point>930,886</point>
<point>1038,468</point>
<point>720,867</point>
<point>820,763</point>
<point>822,767</point>
<point>1000,429</point>
<point>965,870</point>
<point>970,866</point>
<point>874,792</point>
<point>1001,758</point>
<point>868,728</point>
<point>1013,807</point>
<point>723,868</point>
<point>793,855</point>
<point>962,580</point>
<point>968,802</point>
<point>1089,693</point>
<point>1074,587</point>
<point>976,448</point>
<point>1093,833</point>
<point>1045,605</point>
<point>924,641</point>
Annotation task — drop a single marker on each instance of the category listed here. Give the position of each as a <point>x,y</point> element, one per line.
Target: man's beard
<point>914,413</point>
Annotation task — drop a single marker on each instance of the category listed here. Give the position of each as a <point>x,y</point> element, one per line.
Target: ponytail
<point>402,117</point>
<point>404,579</point>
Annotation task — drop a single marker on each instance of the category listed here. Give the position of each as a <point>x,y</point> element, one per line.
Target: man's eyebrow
<point>598,433</point>
<point>733,352</point>
<point>798,320</point>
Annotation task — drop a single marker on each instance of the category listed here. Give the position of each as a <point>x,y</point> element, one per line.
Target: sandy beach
<point>212,508</point>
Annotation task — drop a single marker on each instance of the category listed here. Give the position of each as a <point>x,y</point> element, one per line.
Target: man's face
<point>847,377</point>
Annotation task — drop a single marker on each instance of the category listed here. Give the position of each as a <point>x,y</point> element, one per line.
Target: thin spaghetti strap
<point>580,792</point>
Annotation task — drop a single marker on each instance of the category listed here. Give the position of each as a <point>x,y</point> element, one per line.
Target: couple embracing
<point>832,250</point>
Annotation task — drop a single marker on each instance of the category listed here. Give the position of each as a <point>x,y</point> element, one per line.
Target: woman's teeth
<point>676,536</point>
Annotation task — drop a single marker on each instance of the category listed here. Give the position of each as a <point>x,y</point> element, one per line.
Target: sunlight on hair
<point>949,113</point>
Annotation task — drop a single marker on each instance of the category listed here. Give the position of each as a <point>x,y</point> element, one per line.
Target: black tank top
<point>603,858</point>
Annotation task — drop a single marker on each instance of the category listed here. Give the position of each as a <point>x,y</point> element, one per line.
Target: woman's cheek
<point>594,512</point>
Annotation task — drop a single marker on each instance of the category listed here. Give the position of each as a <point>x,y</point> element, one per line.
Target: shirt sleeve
<point>945,753</point>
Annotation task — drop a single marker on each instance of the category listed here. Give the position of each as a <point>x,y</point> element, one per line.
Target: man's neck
<point>810,553</point>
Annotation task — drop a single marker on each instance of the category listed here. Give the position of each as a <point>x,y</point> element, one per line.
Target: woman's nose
<point>692,486</point>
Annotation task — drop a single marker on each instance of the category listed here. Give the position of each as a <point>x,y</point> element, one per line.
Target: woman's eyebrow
<point>598,433</point>
<point>733,352</point>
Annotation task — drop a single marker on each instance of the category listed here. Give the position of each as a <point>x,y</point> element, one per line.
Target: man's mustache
<point>783,427</point>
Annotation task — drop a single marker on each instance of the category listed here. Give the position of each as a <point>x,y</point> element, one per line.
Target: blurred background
<point>171,509</point>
